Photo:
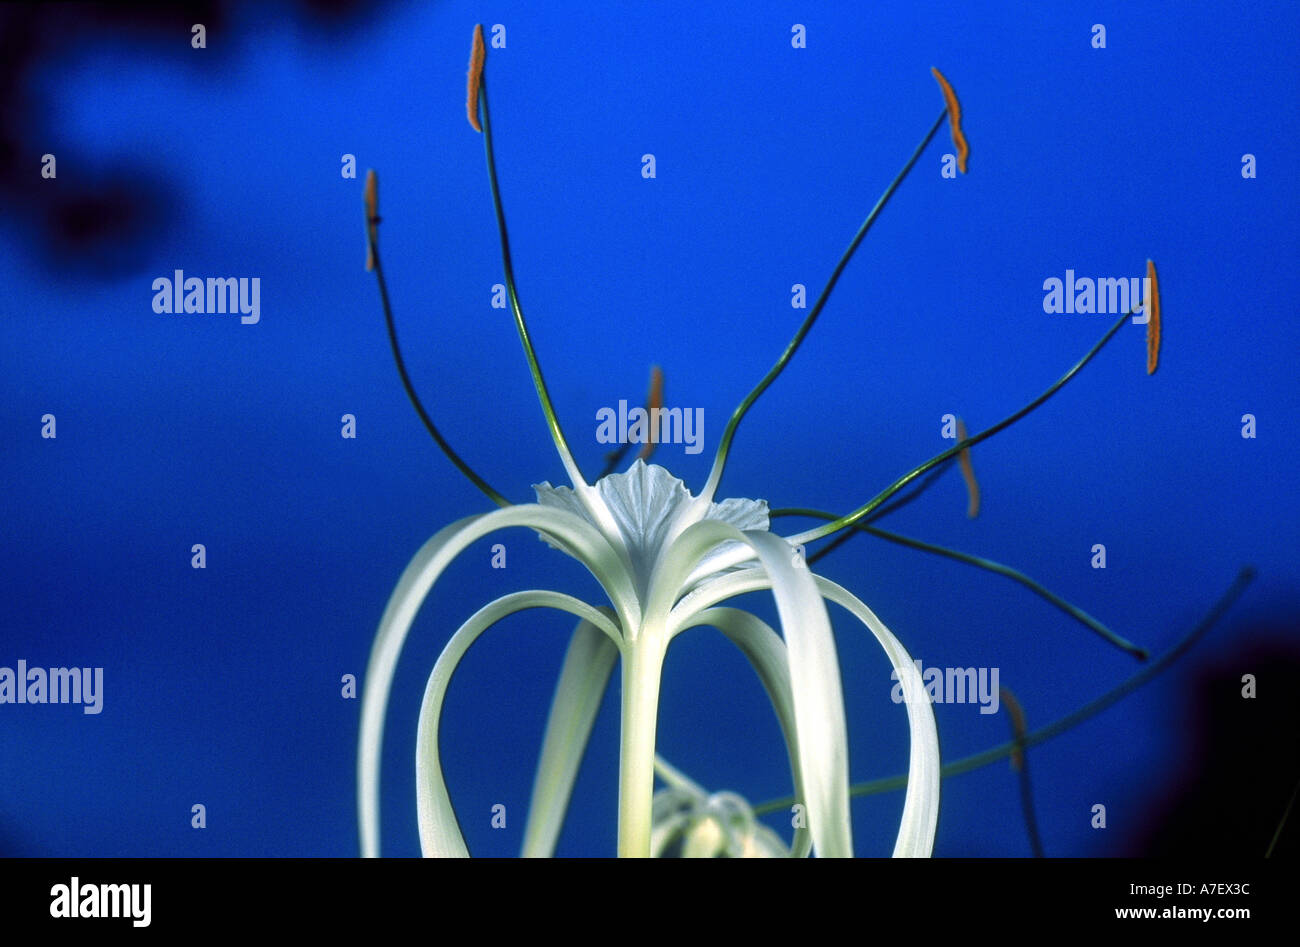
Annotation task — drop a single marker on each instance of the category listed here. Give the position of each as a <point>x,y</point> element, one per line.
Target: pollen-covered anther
<point>654,401</point>
<point>968,474</point>
<point>954,119</point>
<point>1153,319</point>
<point>372,216</point>
<point>476,57</point>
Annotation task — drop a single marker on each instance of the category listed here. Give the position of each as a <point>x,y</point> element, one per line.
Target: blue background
<point>222,686</point>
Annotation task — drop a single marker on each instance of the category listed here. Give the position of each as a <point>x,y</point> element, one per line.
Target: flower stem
<point>446,448</point>
<point>980,562</point>
<point>720,459</point>
<point>870,506</point>
<point>642,666</point>
<point>543,396</point>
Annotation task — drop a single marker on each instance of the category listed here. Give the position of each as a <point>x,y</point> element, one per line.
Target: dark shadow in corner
<point>1243,758</point>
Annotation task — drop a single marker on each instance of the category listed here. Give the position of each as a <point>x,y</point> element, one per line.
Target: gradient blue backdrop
<point>222,686</point>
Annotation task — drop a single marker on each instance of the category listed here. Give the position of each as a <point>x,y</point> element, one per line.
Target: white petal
<point>583,680</point>
<point>583,542</point>
<point>742,514</point>
<point>440,835</point>
<point>814,667</point>
<point>645,501</point>
<point>818,697</point>
<point>921,804</point>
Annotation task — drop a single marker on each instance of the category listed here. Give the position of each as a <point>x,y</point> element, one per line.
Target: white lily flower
<point>718,826</point>
<point>660,537</point>
<point>667,562</point>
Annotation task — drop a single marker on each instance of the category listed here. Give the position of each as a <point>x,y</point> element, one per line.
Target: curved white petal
<point>582,541</point>
<point>753,579</point>
<point>440,835</point>
<point>921,803</point>
<point>728,559</point>
<point>817,695</point>
<point>588,664</point>
<point>814,667</point>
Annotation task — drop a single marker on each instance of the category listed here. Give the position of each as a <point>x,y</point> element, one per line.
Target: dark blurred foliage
<point>96,221</point>
<point>1243,759</point>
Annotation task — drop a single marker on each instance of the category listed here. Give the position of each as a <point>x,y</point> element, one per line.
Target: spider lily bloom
<point>644,537</point>
<point>652,546</point>
<point>666,560</point>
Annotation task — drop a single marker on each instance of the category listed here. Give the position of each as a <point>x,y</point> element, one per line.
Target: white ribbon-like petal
<point>581,540</point>
<point>921,802</point>
<point>817,695</point>
<point>440,835</point>
<point>588,664</point>
<point>814,667</point>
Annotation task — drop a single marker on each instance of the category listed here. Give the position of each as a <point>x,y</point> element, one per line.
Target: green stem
<point>543,396</point>
<point>901,482</point>
<point>455,458</point>
<point>724,447</point>
<point>979,562</point>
